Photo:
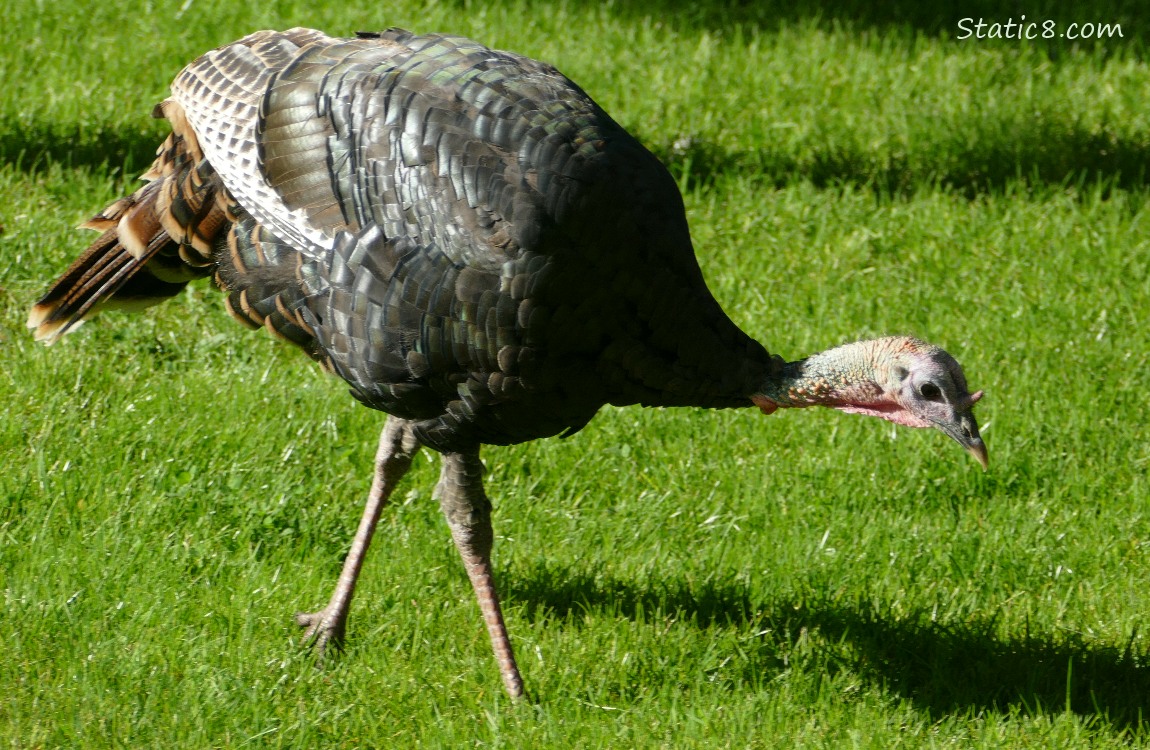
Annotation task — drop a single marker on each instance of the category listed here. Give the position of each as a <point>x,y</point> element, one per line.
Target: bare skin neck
<point>849,378</point>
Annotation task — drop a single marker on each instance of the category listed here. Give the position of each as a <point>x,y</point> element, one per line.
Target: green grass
<point>173,488</point>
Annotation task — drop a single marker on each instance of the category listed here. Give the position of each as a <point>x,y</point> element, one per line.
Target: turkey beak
<point>977,448</point>
<point>964,430</point>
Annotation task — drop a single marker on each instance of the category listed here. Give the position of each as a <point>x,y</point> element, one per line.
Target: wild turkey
<point>473,245</point>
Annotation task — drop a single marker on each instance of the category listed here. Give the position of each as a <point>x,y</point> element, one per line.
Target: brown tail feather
<point>180,226</point>
<point>97,275</point>
<point>152,242</point>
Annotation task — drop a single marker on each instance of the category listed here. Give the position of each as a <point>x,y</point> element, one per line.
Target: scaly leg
<point>397,447</point>
<point>468,513</point>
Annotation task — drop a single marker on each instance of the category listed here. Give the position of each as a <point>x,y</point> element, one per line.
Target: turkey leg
<point>468,513</point>
<point>397,447</point>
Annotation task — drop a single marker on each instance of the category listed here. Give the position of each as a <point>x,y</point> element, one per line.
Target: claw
<point>323,633</point>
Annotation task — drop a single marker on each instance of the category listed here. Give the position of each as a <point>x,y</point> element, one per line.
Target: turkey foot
<point>325,628</point>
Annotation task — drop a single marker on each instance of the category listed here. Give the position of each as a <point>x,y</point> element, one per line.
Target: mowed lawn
<point>173,487</point>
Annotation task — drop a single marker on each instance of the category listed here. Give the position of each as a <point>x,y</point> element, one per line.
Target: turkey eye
<point>930,392</point>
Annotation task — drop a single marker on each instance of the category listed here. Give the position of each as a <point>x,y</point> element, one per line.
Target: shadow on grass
<point>32,147</point>
<point>963,667</point>
<point>1049,158</point>
<point>945,668</point>
<point>1054,157</point>
<point>564,594</point>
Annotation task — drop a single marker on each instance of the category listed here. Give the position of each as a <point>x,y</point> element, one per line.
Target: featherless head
<point>930,387</point>
<point>899,379</point>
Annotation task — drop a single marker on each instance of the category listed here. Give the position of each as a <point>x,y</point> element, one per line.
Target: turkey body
<point>461,234</point>
<point>473,245</point>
